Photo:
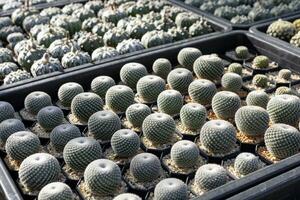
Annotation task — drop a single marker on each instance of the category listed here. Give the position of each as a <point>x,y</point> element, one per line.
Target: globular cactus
<point>8,127</point>
<point>127,196</point>
<point>209,67</point>
<point>260,80</point>
<point>145,167</point>
<point>252,120</point>
<point>171,188</point>
<point>81,151</point>
<point>103,124</point>
<point>261,62</point>
<point>232,82</point>
<point>242,52</point>
<point>193,116</point>
<point>235,68</point>
<point>22,144</point>
<point>136,113</point>
<point>187,56</point>
<point>286,90</point>
<point>67,92</point>
<point>184,154</point>
<point>125,143</point>
<point>7,111</point>
<point>246,163</point>
<point>202,91</point>
<point>284,109</point>
<point>101,84</point>
<point>56,191</point>
<point>285,74</point>
<point>149,87</point>
<point>119,97</point>
<point>38,170</point>
<point>16,76</point>
<point>130,73</point>
<point>103,177</point>
<point>35,101</point>
<point>170,102</point>
<point>282,140</point>
<point>180,79</point>
<point>225,104</point>
<point>85,104</point>
<point>257,98</point>
<point>50,117</point>
<point>159,128</point>
<point>162,67</point>
<point>218,136</point>
<point>62,134</point>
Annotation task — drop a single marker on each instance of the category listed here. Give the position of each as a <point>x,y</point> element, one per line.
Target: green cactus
<point>193,116</point>
<point>127,196</point>
<point>185,19</point>
<point>89,23</point>
<point>101,84</point>
<point>38,170</point>
<point>149,87</point>
<point>159,128</point>
<point>104,53</point>
<point>114,36</point>
<point>171,188</point>
<point>103,177</point>
<point>184,154</point>
<point>285,74</point>
<point>8,127</point>
<point>90,42</point>
<point>281,29</point>
<point>130,73</point>
<point>129,46</point>
<point>75,58</point>
<point>232,82</point>
<point>68,91</point>
<point>27,56</point>
<point>85,104</point>
<point>209,67</point>
<point>156,38</point>
<point>242,52</point>
<point>145,167</point>
<point>286,90</point>
<point>119,97</point>
<point>16,76</point>
<point>125,143</point>
<point>257,98</point>
<point>83,13</point>
<point>81,151</point>
<point>170,102</point>
<point>261,62</point>
<point>284,109</point>
<point>14,38</point>
<point>45,65</point>
<point>50,117</point>
<point>187,56</point>
<point>246,163</point>
<point>282,140</point>
<point>7,111</point>
<point>202,91</point>
<point>180,79</point>
<point>37,100</point>
<point>56,191</point>
<point>136,113</point>
<point>236,68</point>
<point>6,68</point>
<point>48,35</point>
<point>260,80</point>
<point>59,48</point>
<point>162,67</point>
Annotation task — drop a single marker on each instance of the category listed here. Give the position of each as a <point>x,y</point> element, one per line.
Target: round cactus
<point>16,76</point>
<point>246,163</point>
<point>81,151</point>
<point>232,82</point>
<point>235,68</point>
<point>131,72</point>
<point>187,56</point>
<point>225,104</point>
<point>260,80</point>
<point>127,196</point>
<point>85,104</point>
<point>284,109</point>
<point>136,113</point>
<point>62,134</point>
<point>285,74</point>
<point>242,52</point>
<point>202,91</point>
<point>180,79</point>
<point>159,128</point>
<point>162,67</point>
<point>35,101</point>
<point>38,170</point>
<point>101,84</point>
<point>56,191</point>
<point>209,67</point>
<point>218,136</point>
<point>170,102</point>
<point>193,116</point>
<point>8,127</point>
<point>184,154</point>
<point>7,111</point>
<point>50,117</point>
<point>252,120</point>
<point>145,167</point>
<point>103,177</point>
<point>282,140</point>
<point>119,98</point>
<point>103,124</point>
<point>149,87</point>
<point>257,98</point>
<point>68,91</point>
<point>286,90</point>
<point>171,188</point>
<point>261,62</point>
<point>125,143</point>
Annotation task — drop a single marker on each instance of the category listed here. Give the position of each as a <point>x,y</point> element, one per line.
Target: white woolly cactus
<point>187,56</point>
<point>232,82</point>
<point>56,191</point>
<point>285,74</point>
<point>171,188</point>
<point>246,163</point>
<point>209,67</point>
<point>180,79</point>
<point>125,143</point>
<point>162,67</point>
<point>127,196</point>
<point>8,127</point>
<point>170,102</point>
<point>119,97</point>
<point>101,84</point>
<point>67,92</point>
<point>7,111</point>
<point>130,73</point>
<point>257,98</point>
<point>193,116</point>
<point>35,101</point>
<point>184,154</point>
<point>202,91</point>
<point>50,117</point>
<point>136,113</point>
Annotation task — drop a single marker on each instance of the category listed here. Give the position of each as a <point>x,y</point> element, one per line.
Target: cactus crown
<point>170,188</point>
<point>246,163</point>
<point>56,190</point>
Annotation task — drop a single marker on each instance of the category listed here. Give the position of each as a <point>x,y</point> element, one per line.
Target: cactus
<point>125,143</point>
<point>232,82</point>
<point>257,98</point>
<point>156,38</point>
<point>127,196</point>
<point>246,163</point>
<point>209,67</point>
<point>184,154</point>
<point>162,67</point>
<point>178,33</point>
<point>103,177</point>
<point>225,104</point>
<point>104,53</point>
<point>236,68</point>
<point>85,104</point>
<point>33,20</point>
<point>103,124</point>
<point>68,91</point>
<point>14,38</point>
<point>45,65</point>
<point>90,42</point>
<point>136,113</point>
<point>19,15</point>
<point>27,57</point>
<point>193,116</point>
<point>171,188</point>
<point>8,127</point>
<point>6,68</point>
<point>210,176</point>
<point>38,170</point>
<point>101,28</point>
<point>261,62</point>
<point>286,90</point>
<point>149,87</point>
<point>200,28</point>
<point>70,23</point>
<point>242,52</point>
<point>185,19</point>
<point>59,48</point>
<point>16,76</point>
<point>282,140</point>
<point>48,35</point>
<point>285,74</point>
<point>101,84</point>
<point>35,101</point>
<point>159,128</point>
<point>283,30</point>
<point>284,109</point>
<point>130,73</point>
<point>187,56</point>
<point>145,167</point>
<point>202,91</point>
<point>70,8</point>
<point>170,102</point>
<point>81,151</point>
<point>114,36</point>
<point>50,117</point>
<point>260,80</point>
<point>7,111</point>
<point>129,46</point>
<point>119,98</point>
<point>180,79</point>
<point>56,191</point>
<point>218,136</point>
<point>75,58</point>
<point>83,13</point>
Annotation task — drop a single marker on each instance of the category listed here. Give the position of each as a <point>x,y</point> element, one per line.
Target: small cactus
<point>246,163</point>
<point>285,74</point>
<point>125,143</point>
<point>56,191</point>
<point>209,67</point>
<point>127,196</point>
<point>170,102</point>
<point>187,56</point>
<point>149,87</point>
<point>202,91</point>
<point>136,113</point>
<point>171,188</point>
<point>236,68</point>
<point>8,127</point>
<point>184,154</point>
<point>180,79</point>
<point>35,101</point>
<point>7,111</point>
<point>286,90</point>
<point>68,91</point>
<point>162,67</point>
<point>257,98</point>
<point>101,84</point>
<point>242,52</point>
<point>193,116</point>
<point>50,117</point>
<point>130,73</point>
<point>119,98</point>
<point>232,82</point>
<point>261,62</point>
<point>260,80</point>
